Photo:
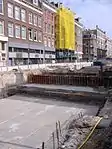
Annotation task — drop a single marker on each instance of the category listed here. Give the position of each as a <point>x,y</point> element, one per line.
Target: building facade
<point>109,48</point>
<point>89,45</point>
<point>65,37</point>
<point>49,12</point>
<point>78,39</point>
<point>22,32</point>
<point>101,43</point>
<point>94,44</point>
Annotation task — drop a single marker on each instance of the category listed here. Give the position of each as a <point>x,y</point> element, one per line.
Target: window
<point>52,17</point>
<point>2,46</point>
<point>52,31</point>
<point>48,28</point>
<point>17,31</point>
<point>30,18</point>
<point>3,59</point>
<point>35,20</point>
<point>45,27</point>
<point>10,30</point>
<point>40,21</point>
<point>35,35</point>
<point>1,6</point>
<point>46,14</point>
<point>23,15</point>
<point>3,55</point>
<point>40,36</point>
<point>45,41</point>
<point>23,32</point>
<point>10,49</point>
<point>17,13</point>
<point>53,43</point>
<point>1,27</point>
<point>49,42</point>
<point>30,34</point>
<point>35,2</point>
<point>10,10</point>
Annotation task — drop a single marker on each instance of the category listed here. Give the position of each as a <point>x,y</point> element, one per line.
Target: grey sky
<point>93,12</point>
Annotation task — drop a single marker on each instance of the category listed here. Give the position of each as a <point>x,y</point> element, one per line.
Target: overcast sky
<point>93,12</point>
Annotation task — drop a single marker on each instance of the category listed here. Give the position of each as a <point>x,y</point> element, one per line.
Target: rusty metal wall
<point>79,80</point>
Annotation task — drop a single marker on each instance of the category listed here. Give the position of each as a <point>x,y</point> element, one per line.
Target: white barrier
<point>78,65</point>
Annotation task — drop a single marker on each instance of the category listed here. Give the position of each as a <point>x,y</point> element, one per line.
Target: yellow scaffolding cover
<point>65,29</point>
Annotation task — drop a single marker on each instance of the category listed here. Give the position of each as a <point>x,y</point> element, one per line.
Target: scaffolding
<point>65,29</point>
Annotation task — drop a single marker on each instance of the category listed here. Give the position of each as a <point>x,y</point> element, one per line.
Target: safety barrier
<point>81,80</point>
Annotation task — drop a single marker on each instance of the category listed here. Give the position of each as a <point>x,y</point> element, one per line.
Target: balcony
<point>50,56</point>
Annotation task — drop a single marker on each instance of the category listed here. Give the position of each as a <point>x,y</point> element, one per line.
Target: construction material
<point>74,131</point>
<point>90,134</point>
<point>80,80</point>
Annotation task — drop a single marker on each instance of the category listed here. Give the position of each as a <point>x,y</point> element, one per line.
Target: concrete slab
<point>68,88</point>
<point>26,122</point>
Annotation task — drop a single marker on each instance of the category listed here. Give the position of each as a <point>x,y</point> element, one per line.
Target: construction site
<point>56,107</point>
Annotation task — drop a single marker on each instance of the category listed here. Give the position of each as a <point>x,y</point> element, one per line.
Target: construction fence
<point>79,80</point>
<point>57,137</point>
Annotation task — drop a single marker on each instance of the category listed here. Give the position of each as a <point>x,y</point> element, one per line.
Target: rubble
<point>77,131</point>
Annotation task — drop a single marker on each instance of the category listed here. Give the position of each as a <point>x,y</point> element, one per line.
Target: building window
<point>35,20</point>
<point>52,31</point>
<point>48,29</point>
<point>10,10</point>
<point>23,32</point>
<point>35,35</point>
<point>45,41</point>
<point>3,59</point>
<point>45,27</point>
<point>35,2</point>
<point>53,43</point>
<point>30,18</point>
<point>40,21</point>
<point>40,36</point>
<point>52,17</point>
<point>1,6</point>
<point>49,42</point>
<point>2,46</point>
<point>17,31</point>
<point>10,30</point>
<point>17,13</point>
<point>1,27</point>
<point>3,55</point>
<point>23,15</point>
<point>48,15</point>
<point>30,34</point>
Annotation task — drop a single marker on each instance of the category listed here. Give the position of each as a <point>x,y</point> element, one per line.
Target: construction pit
<point>48,116</point>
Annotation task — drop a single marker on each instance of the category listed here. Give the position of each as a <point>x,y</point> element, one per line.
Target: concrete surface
<point>26,122</point>
<point>67,87</point>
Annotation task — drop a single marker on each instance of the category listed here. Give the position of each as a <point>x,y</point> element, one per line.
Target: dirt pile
<point>101,139</point>
<point>77,131</point>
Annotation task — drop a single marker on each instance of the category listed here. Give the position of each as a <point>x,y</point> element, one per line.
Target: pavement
<point>26,122</point>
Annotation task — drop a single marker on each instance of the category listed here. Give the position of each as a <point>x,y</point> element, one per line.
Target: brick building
<point>49,12</point>
<point>21,32</point>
